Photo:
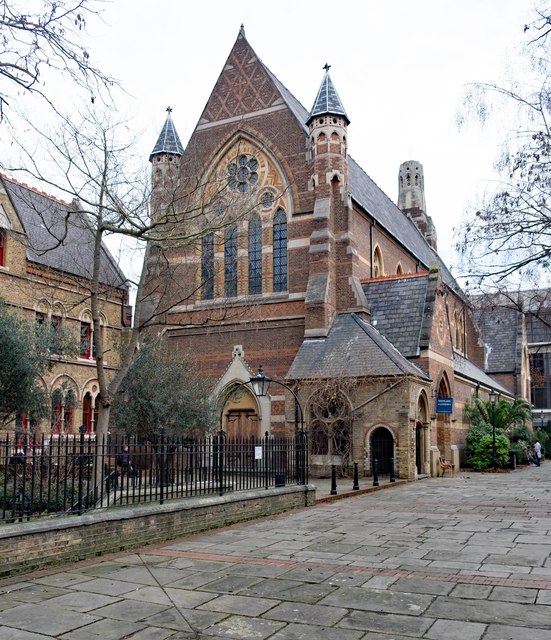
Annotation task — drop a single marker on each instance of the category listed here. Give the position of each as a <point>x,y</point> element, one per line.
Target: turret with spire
<point>331,281</point>
<point>165,160</point>
<point>327,125</point>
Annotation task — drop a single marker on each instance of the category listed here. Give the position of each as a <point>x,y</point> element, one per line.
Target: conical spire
<point>327,101</point>
<point>168,141</point>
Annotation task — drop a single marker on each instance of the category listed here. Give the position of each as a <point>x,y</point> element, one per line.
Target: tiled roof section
<point>467,369</point>
<point>327,100</point>
<point>353,348</point>
<point>499,327</point>
<point>168,141</point>
<point>397,310</point>
<point>60,236</point>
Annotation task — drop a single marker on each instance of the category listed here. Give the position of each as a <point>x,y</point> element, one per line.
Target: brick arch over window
<point>280,251</point>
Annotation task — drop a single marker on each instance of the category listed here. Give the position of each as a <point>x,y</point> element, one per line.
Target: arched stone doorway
<point>382,450</point>
<point>239,415</point>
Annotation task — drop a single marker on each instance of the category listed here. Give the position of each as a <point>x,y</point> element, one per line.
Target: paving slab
<point>460,559</point>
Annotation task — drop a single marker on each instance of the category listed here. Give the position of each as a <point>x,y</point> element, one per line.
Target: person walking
<point>537,453</point>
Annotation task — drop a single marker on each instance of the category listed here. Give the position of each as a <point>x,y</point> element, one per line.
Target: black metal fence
<point>73,474</point>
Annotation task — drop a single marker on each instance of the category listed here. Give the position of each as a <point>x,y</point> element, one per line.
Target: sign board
<point>444,405</point>
<point>258,453</point>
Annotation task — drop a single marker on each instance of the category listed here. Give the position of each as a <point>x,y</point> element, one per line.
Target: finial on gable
<point>327,66</point>
<point>242,30</point>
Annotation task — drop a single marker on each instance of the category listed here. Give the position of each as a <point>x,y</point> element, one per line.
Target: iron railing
<point>73,474</point>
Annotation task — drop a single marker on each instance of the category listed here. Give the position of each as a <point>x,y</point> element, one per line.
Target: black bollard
<point>356,484</point>
<point>375,472</point>
<point>333,491</point>
<point>392,475</point>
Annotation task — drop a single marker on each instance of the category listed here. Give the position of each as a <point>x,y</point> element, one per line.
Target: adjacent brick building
<point>309,269</point>
<point>46,250</point>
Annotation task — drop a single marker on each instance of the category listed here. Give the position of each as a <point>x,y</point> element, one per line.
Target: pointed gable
<point>243,87</point>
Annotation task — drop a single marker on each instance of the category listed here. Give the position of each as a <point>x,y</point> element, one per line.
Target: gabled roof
<point>168,141</point>
<point>59,235</point>
<point>353,348</point>
<point>327,101</point>
<point>392,300</point>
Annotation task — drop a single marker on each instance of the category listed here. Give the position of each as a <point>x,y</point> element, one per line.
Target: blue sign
<point>444,405</point>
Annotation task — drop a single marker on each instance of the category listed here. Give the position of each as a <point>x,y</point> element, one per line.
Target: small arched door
<point>382,450</point>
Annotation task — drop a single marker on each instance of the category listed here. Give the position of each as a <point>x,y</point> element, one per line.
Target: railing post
<point>333,491</point>
<point>161,465</point>
<point>356,484</point>
<point>375,472</point>
<point>221,447</point>
<point>392,473</point>
<point>82,430</point>
<point>268,460</point>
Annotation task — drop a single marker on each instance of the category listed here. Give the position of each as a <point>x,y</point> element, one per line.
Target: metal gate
<point>382,450</point>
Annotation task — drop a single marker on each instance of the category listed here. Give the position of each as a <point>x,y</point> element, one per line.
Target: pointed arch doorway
<point>240,417</point>
<point>422,437</point>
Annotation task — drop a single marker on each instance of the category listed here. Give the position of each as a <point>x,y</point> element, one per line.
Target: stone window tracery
<point>242,173</point>
<point>280,251</point>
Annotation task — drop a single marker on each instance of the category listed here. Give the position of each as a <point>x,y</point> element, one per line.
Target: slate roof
<point>392,302</point>
<point>168,141</point>
<point>327,101</point>
<point>499,327</point>
<point>467,369</point>
<point>353,348</point>
<point>60,236</point>
<point>372,199</point>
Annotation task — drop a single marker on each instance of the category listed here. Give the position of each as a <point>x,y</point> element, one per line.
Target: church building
<point>281,252</point>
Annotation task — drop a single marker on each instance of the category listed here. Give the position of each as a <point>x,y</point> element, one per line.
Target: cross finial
<point>327,67</point>
<point>169,109</point>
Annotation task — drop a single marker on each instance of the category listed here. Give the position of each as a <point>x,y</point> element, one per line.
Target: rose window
<point>242,173</point>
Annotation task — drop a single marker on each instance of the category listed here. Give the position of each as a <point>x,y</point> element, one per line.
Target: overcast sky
<point>399,67</point>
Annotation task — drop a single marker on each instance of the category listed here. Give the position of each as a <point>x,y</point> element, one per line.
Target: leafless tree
<point>90,162</point>
<point>42,38</point>
<point>510,234</point>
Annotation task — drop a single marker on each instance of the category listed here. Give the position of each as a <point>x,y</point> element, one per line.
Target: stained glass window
<point>255,255</point>
<point>230,262</point>
<point>280,251</point>
<point>207,267</point>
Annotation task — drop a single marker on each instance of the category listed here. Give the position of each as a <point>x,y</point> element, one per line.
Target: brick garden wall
<point>35,545</point>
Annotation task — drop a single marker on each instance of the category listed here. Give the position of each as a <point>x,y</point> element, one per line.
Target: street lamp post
<point>260,384</point>
<point>493,399</point>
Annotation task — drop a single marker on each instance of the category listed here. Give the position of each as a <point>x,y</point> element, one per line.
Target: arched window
<point>89,413</point>
<point>207,266</point>
<point>399,270</point>
<point>2,247</point>
<point>459,332</point>
<point>87,347</point>
<point>280,251</point>
<point>230,262</point>
<point>63,405</point>
<point>377,263</point>
<point>255,255</point>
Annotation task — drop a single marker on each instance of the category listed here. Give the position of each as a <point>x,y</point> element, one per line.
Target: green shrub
<point>482,457</point>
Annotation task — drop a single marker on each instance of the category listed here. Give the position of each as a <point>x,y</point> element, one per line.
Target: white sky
<point>399,68</point>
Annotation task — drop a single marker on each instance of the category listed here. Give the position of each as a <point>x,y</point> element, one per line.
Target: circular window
<point>243,173</point>
<point>267,199</point>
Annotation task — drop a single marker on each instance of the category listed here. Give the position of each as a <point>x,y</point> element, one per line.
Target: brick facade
<point>341,233</point>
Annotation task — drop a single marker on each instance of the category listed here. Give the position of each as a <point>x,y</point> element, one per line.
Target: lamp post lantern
<point>493,399</point>
<point>260,384</point>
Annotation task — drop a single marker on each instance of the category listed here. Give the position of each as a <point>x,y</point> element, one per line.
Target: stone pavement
<point>463,558</point>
